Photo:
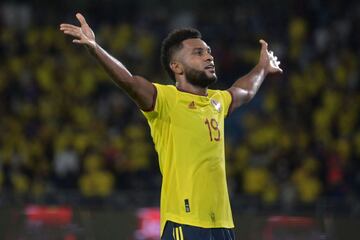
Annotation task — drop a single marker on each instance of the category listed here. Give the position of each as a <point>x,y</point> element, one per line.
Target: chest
<point>198,119</point>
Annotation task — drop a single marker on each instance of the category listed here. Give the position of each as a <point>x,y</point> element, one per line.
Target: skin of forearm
<point>136,87</point>
<point>118,72</point>
<point>252,81</point>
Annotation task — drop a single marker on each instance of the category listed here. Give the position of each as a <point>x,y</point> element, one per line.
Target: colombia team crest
<point>216,105</point>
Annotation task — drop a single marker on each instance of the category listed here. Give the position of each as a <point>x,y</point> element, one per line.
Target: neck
<point>188,87</point>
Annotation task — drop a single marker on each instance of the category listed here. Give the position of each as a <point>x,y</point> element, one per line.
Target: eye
<point>199,52</point>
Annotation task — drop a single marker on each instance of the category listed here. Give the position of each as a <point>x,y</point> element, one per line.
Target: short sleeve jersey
<point>188,133</point>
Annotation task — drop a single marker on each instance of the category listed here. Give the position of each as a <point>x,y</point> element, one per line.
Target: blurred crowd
<point>66,127</point>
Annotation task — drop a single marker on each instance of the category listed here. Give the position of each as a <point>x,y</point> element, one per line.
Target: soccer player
<point>187,127</point>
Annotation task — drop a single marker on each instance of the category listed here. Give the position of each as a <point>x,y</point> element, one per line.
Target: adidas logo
<point>192,105</point>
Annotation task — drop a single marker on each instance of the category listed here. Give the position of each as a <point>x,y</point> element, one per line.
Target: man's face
<point>197,62</point>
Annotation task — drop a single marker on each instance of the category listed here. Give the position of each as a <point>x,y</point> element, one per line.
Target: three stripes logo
<point>178,233</point>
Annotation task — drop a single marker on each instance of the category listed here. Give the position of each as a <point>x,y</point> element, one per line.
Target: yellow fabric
<point>188,132</point>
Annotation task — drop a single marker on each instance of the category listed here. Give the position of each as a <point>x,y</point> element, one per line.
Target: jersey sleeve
<point>162,104</point>
<point>227,99</point>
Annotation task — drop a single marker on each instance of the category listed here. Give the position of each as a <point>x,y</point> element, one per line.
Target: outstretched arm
<point>245,88</point>
<point>138,88</point>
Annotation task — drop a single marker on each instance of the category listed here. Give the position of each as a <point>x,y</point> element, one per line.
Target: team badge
<point>216,105</point>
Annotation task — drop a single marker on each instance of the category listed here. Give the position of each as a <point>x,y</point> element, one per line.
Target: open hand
<point>84,35</point>
<point>268,60</point>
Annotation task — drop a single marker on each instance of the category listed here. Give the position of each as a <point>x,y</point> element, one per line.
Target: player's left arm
<point>245,88</point>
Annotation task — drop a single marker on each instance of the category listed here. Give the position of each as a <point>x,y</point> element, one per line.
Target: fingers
<point>273,57</point>
<point>72,32</point>
<point>77,41</point>
<point>275,64</point>
<point>279,69</point>
<point>81,19</point>
<point>264,44</point>
<point>83,35</point>
<point>70,29</point>
<point>273,60</point>
<point>68,26</point>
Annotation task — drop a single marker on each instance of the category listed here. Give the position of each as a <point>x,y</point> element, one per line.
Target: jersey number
<point>213,126</point>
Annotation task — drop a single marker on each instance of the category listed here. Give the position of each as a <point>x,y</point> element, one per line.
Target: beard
<point>199,78</point>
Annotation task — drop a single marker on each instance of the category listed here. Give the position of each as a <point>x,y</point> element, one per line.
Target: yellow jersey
<point>188,133</point>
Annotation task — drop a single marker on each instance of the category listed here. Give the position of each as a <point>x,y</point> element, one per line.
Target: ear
<point>177,68</point>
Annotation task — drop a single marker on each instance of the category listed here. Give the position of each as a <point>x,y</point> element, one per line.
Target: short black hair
<point>173,43</point>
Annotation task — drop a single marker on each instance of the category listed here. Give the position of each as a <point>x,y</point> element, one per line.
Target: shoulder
<point>163,87</point>
<point>219,94</point>
<point>165,92</point>
<point>165,96</point>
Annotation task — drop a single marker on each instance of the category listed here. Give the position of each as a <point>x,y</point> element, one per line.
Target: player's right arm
<point>138,88</point>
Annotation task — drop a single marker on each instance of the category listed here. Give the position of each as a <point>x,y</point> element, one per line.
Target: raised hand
<point>268,60</point>
<point>84,35</point>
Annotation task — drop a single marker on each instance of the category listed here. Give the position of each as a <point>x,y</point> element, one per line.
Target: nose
<point>209,57</point>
